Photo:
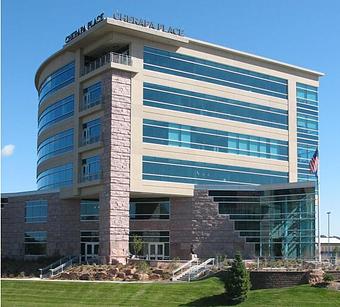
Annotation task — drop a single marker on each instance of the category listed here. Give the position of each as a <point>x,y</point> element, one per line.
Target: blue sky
<point>304,33</point>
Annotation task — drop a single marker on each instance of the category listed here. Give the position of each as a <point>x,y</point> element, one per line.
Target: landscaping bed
<point>132,272</point>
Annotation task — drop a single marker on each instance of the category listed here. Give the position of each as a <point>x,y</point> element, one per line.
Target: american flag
<point>314,162</point>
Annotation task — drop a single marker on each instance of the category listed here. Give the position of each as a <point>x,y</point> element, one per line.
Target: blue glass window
<point>183,171</point>
<point>35,243</point>
<point>197,103</point>
<point>91,169</point>
<point>163,133</point>
<point>92,95</point>
<point>57,177</point>
<point>213,72</point>
<point>56,81</point>
<point>261,217</point>
<point>308,128</point>
<point>36,211</point>
<point>150,208</point>
<point>89,210</point>
<point>55,113</point>
<point>91,131</point>
<point>55,145</point>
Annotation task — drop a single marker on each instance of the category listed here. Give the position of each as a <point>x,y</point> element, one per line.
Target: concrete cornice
<point>112,25</point>
<point>256,57</point>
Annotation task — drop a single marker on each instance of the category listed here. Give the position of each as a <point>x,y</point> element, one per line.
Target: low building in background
<point>330,248</point>
<point>145,133</point>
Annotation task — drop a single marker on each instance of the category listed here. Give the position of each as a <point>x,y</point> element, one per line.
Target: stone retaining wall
<point>266,280</point>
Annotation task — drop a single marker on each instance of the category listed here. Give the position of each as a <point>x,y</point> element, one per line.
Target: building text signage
<point>84,28</point>
<point>148,24</point>
<point>126,18</point>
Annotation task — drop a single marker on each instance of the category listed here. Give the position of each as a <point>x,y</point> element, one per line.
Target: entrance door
<point>156,251</point>
<point>91,251</point>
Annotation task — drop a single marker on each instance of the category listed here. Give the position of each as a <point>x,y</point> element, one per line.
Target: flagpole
<point>318,204</point>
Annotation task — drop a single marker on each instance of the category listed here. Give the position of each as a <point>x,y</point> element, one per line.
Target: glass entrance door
<point>156,251</point>
<point>91,251</point>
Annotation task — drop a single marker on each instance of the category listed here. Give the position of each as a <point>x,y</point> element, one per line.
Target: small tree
<point>137,244</point>
<point>327,277</point>
<point>237,282</point>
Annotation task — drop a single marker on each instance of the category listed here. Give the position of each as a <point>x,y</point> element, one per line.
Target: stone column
<point>115,163</point>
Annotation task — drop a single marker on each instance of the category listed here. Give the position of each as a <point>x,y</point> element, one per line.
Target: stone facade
<point>195,221</point>
<point>269,279</point>
<point>115,161</point>
<point>213,233</point>
<point>63,225</point>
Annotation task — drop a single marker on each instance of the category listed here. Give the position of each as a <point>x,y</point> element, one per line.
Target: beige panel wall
<point>138,112</point>
<point>203,121</point>
<point>213,89</point>
<point>213,123</point>
<point>136,49</point>
<point>292,126</point>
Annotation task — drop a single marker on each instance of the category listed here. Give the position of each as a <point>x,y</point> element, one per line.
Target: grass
<point>208,292</point>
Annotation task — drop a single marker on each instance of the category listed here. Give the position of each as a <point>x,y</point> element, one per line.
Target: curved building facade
<point>177,141</point>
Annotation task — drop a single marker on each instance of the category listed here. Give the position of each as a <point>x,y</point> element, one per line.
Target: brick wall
<point>195,221</point>
<point>63,225</point>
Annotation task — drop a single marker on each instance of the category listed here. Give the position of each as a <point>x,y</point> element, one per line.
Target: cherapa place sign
<point>125,18</point>
<point>84,28</point>
<point>148,24</point>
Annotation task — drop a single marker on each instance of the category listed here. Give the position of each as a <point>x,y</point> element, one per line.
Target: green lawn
<point>201,293</point>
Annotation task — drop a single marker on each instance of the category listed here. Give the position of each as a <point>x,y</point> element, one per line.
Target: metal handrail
<point>183,266</point>
<point>62,267</point>
<point>90,177</point>
<point>47,269</point>
<point>204,264</point>
<point>189,263</point>
<point>107,58</point>
<point>89,104</point>
<point>91,140</point>
<point>197,269</point>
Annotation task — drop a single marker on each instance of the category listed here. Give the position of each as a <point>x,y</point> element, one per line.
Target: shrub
<point>143,267</point>
<point>137,244</point>
<point>328,277</point>
<point>174,264</point>
<point>237,282</point>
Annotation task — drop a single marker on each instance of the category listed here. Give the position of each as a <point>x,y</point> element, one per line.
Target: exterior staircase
<point>59,266</point>
<point>193,270</point>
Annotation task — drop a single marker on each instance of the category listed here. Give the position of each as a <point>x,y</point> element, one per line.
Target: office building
<point>145,133</point>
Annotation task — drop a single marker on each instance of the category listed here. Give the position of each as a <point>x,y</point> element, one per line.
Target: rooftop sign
<point>84,28</point>
<point>126,18</point>
<point>148,24</point>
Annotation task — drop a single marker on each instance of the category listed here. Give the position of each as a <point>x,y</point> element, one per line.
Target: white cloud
<point>7,150</point>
